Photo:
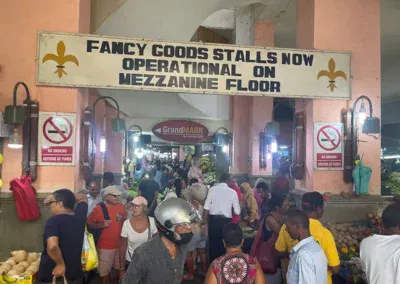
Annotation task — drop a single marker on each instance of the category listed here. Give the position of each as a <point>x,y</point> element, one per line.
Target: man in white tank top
<point>380,254</point>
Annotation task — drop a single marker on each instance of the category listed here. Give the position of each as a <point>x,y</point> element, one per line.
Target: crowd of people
<point>198,230</point>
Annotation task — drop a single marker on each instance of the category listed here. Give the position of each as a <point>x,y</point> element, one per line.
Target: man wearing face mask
<point>161,260</point>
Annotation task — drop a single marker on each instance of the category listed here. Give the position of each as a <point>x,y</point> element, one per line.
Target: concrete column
<point>114,155</point>
<point>243,35</point>
<point>261,107</point>
<point>341,25</point>
<point>21,20</point>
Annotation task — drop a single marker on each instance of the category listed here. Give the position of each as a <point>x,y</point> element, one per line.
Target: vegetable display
<point>21,264</point>
<point>348,237</point>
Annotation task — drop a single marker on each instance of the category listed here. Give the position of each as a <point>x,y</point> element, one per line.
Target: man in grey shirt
<point>307,259</point>
<point>161,260</point>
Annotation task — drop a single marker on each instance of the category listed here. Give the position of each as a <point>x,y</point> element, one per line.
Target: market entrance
<point>173,147</point>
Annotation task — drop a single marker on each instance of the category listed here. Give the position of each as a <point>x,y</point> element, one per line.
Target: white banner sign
<point>56,139</point>
<point>328,146</point>
<point>93,61</point>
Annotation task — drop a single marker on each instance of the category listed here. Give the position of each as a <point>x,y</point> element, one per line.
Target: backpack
<point>25,198</point>
<point>97,232</point>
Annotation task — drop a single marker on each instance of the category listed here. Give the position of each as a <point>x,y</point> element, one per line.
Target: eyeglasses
<point>113,195</point>
<point>50,202</point>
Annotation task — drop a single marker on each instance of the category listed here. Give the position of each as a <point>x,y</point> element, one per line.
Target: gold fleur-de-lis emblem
<point>60,59</point>
<point>332,74</point>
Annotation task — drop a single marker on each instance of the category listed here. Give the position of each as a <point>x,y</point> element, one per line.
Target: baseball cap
<point>140,200</point>
<point>112,189</point>
<point>312,200</point>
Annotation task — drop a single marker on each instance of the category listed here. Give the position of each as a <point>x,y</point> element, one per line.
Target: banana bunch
<point>5,279</point>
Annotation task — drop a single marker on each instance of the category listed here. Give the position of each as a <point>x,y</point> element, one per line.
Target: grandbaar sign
<point>77,60</point>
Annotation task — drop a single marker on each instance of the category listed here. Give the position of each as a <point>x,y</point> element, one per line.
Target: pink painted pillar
<point>100,112</point>
<point>114,155</point>
<point>319,28</point>
<point>260,107</point>
<point>20,21</point>
<point>240,130</point>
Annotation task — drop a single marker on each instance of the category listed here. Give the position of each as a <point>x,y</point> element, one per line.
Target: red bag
<point>25,198</point>
<point>264,251</point>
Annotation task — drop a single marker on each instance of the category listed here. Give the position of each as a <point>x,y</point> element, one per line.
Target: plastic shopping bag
<point>89,256</point>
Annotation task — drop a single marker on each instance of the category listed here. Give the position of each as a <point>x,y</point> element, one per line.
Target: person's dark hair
<point>193,181</point>
<point>66,196</point>
<point>277,199</point>
<point>109,177</point>
<point>178,186</point>
<point>311,201</point>
<point>152,173</point>
<point>391,216</point>
<point>232,235</point>
<point>262,185</point>
<point>298,217</point>
<point>224,178</point>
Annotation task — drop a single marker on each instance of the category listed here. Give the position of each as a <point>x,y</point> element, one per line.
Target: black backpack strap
<point>105,211</point>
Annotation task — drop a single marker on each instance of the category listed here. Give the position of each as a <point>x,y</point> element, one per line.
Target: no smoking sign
<point>56,142</point>
<point>328,150</point>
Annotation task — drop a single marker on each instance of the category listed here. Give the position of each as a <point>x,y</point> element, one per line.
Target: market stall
<point>20,268</point>
<point>348,237</point>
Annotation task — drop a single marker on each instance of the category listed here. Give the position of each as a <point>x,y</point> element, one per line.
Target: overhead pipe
<point>26,128</point>
<point>348,147</point>
<point>34,118</point>
<point>86,147</point>
<point>298,165</point>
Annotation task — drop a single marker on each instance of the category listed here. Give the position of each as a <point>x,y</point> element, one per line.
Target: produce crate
<point>28,279</point>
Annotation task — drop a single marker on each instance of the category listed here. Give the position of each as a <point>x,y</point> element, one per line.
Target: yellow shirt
<point>321,235</point>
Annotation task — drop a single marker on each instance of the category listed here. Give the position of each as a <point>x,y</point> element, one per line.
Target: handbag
<point>89,257</point>
<point>55,280</point>
<point>25,198</point>
<point>264,250</point>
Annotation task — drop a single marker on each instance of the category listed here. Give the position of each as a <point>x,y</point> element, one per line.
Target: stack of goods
<point>207,167</point>
<point>21,264</point>
<point>376,222</point>
<point>349,236</point>
<point>134,189</point>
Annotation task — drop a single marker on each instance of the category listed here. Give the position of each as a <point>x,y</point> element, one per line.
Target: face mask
<point>185,239</point>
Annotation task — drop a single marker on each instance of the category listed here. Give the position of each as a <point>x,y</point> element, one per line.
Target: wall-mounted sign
<point>93,61</point>
<point>328,150</point>
<point>182,131</point>
<point>57,138</point>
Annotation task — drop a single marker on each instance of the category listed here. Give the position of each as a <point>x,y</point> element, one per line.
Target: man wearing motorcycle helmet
<point>161,260</point>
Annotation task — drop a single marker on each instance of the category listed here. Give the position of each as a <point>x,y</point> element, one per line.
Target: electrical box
<point>6,130</point>
<point>145,139</point>
<point>118,125</point>
<point>14,115</point>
